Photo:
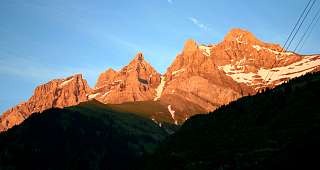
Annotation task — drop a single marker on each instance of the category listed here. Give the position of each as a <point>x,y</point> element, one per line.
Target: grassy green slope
<point>272,130</point>
<point>158,110</point>
<point>87,136</point>
<point>148,109</point>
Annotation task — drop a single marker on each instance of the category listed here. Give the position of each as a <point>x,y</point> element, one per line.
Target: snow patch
<point>64,83</point>
<point>159,89</point>
<point>105,94</point>
<point>238,75</point>
<point>186,118</point>
<point>241,42</point>
<point>100,87</point>
<point>156,122</point>
<point>258,48</point>
<point>206,50</point>
<point>172,114</point>
<point>92,96</point>
<point>178,71</point>
<point>117,81</point>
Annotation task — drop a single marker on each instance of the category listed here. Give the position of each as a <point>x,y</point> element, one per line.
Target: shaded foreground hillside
<point>87,136</point>
<point>277,129</point>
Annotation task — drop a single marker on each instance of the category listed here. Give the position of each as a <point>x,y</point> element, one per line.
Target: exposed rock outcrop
<point>135,82</point>
<point>57,93</point>
<point>213,75</point>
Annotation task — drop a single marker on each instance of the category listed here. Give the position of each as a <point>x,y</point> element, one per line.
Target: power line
<point>299,29</point>
<point>303,16</point>
<point>295,26</point>
<point>310,32</point>
<point>289,37</point>
<point>307,30</point>
<point>302,22</point>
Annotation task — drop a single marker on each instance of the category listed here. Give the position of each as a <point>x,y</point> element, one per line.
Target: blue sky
<point>42,40</point>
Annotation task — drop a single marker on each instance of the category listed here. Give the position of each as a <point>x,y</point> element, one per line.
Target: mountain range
<point>201,79</point>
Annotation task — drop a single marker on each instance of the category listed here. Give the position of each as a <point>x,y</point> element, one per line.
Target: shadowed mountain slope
<point>277,129</point>
<point>87,136</point>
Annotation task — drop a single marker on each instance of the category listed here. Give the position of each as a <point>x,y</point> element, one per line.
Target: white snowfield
<point>172,114</point>
<point>64,83</point>
<point>307,64</point>
<point>159,89</point>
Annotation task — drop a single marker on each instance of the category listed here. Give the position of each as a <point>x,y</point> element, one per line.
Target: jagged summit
<point>139,64</point>
<point>134,82</point>
<point>246,38</point>
<point>190,43</point>
<point>242,36</point>
<point>79,75</point>
<point>111,70</point>
<point>105,76</point>
<point>139,56</point>
<point>57,93</point>
<point>190,47</point>
<point>137,60</point>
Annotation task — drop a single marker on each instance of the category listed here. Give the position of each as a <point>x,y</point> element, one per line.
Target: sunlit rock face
<point>135,82</point>
<point>213,75</point>
<point>57,93</point>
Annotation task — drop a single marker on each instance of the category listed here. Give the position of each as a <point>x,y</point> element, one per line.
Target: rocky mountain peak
<point>105,76</point>
<point>134,82</point>
<point>110,70</point>
<point>139,56</point>
<point>241,36</point>
<point>190,47</point>
<point>57,93</point>
<point>136,63</point>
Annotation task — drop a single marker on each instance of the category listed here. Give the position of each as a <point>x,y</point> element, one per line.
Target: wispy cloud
<point>170,1</point>
<point>198,24</point>
<point>36,71</point>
